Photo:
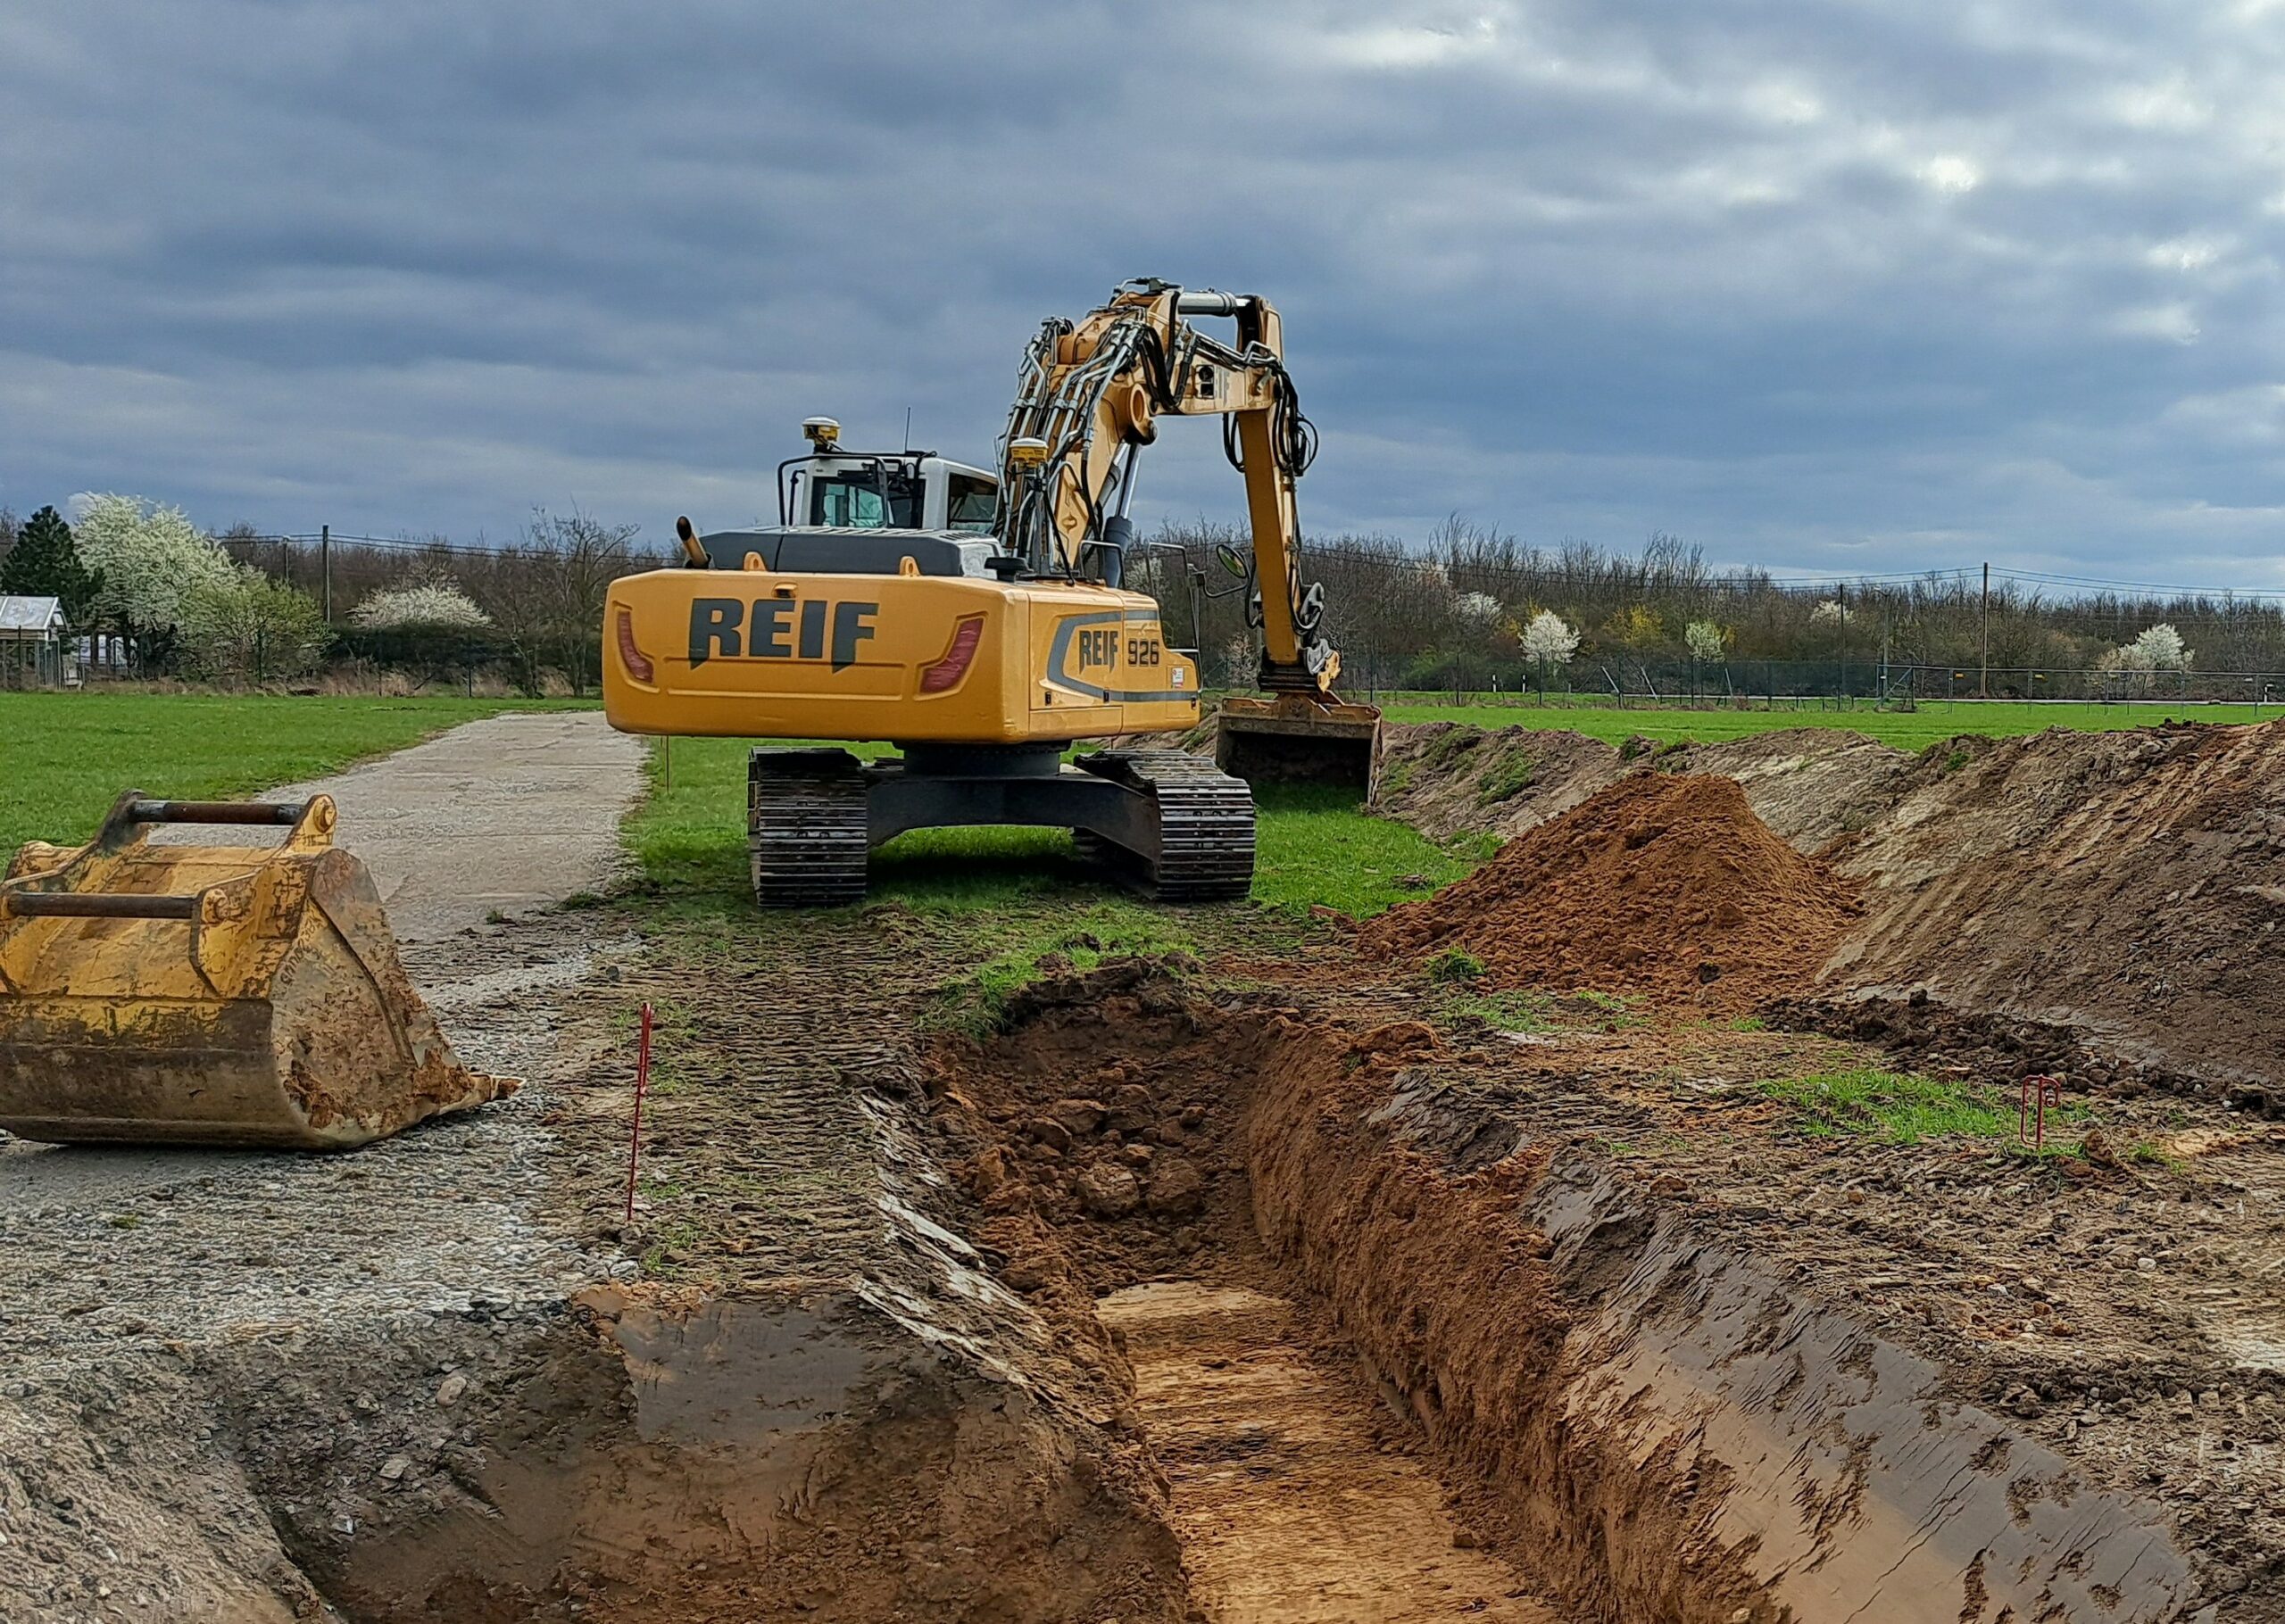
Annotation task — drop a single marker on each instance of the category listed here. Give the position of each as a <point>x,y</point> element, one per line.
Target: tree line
<point>1476,609</point>
<point>1472,608</point>
<point>160,597</point>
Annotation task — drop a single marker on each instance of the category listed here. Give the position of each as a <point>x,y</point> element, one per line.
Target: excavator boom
<point>1089,398</point>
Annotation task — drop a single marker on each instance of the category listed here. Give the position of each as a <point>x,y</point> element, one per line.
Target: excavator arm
<point>1088,400</point>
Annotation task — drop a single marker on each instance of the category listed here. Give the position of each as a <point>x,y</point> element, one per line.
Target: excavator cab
<point>833,489</point>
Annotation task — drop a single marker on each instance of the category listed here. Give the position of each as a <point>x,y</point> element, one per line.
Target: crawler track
<point>1206,825</point>
<point>805,827</point>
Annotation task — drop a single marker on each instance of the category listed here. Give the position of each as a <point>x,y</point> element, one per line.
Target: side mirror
<point>1231,561</point>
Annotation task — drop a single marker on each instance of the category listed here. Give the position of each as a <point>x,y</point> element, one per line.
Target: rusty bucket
<point>161,993</point>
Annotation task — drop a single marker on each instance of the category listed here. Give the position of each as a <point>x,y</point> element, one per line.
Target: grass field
<point>65,757</point>
<point>1313,848</point>
<point>1912,730</point>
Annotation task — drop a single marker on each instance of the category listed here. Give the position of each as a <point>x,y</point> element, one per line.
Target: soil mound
<point>1661,884</point>
<point>1811,785</point>
<point>2128,886</point>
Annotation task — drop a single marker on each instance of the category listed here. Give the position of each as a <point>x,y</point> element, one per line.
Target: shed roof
<point>22,614</point>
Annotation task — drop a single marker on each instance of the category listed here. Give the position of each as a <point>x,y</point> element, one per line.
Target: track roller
<point>1204,826</point>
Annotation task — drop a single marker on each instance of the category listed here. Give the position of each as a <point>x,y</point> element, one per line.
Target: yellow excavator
<point>884,607</point>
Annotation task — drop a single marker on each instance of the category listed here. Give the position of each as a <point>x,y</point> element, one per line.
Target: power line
<point>2044,577</point>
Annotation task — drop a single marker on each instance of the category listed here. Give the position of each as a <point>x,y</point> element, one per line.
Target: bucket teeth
<point>177,993</point>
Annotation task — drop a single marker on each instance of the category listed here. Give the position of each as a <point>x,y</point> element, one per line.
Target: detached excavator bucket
<point>160,993</point>
<point>1298,738</point>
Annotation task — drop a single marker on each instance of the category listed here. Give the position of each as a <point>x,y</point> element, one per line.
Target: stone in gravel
<point>1049,1133</point>
<point>396,1467</point>
<point>449,1391</point>
<point>1108,1190</point>
<point>1176,1186</point>
<point>1130,1109</point>
<point>1078,1116</point>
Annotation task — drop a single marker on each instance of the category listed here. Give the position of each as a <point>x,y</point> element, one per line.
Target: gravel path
<point>494,819</point>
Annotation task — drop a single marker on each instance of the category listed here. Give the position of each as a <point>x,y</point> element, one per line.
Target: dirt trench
<point>1161,1306</point>
<point>1330,1287</point>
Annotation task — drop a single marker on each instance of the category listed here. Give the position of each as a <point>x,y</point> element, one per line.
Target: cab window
<point>969,504</point>
<point>856,500</point>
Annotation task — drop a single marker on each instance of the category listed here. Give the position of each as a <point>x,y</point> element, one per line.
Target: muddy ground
<point>1274,1281</point>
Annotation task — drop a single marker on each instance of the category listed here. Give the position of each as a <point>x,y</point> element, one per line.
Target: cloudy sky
<point>1848,285</point>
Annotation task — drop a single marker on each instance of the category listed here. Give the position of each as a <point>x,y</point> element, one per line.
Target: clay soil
<point>1388,1189</point>
<point>1659,884</point>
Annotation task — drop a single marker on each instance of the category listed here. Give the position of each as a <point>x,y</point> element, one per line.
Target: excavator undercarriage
<point>1167,823</point>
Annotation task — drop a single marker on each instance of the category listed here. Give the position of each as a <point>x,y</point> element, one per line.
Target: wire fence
<point>1768,683</point>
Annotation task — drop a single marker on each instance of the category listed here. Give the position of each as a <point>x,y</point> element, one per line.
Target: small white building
<point>33,652</point>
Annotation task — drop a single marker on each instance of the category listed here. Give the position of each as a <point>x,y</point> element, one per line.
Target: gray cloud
<point>1821,286</point>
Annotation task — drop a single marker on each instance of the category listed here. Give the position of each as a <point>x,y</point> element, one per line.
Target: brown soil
<point>2126,886</point>
<point>2120,888</point>
<point>1670,1357</point>
<point>1292,1507</point>
<point>1811,785</point>
<point>1658,885</point>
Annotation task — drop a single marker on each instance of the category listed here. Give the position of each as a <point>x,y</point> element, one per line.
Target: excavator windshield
<point>875,497</point>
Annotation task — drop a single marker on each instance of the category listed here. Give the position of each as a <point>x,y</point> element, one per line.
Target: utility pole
<point>1844,645</point>
<point>325,566</point>
<point>1983,686</point>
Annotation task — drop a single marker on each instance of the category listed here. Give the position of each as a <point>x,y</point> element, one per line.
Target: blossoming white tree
<point>1549,639</point>
<point>423,606</point>
<point>151,558</point>
<point>2160,648</point>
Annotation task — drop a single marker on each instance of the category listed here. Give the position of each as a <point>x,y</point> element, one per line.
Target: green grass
<point>1933,723</point>
<point>1515,1011</point>
<point>1898,1107</point>
<point>1313,846</point>
<point>1506,780</point>
<point>1454,965</point>
<point>69,755</point>
<point>1113,928</point>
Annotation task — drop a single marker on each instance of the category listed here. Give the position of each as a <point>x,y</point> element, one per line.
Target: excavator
<point>878,610</point>
<point>158,990</point>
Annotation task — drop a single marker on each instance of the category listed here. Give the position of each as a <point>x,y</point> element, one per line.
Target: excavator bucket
<point>160,993</point>
<point>1298,738</point>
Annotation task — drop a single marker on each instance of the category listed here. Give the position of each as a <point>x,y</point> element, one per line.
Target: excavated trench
<point>1203,1310</point>
<point>1395,1363</point>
